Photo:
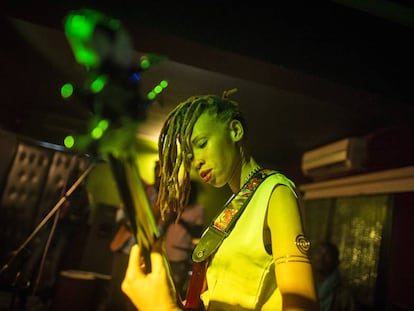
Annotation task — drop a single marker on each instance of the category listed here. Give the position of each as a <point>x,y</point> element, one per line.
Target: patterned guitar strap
<point>217,231</point>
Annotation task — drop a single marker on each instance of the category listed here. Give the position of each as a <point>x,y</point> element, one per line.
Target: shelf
<point>389,181</point>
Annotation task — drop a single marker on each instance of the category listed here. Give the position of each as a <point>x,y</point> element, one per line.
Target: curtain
<point>355,224</point>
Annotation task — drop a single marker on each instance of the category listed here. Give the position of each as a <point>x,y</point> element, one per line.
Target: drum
<point>76,290</point>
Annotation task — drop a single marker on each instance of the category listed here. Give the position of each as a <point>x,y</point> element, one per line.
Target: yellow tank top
<point>241,275</point>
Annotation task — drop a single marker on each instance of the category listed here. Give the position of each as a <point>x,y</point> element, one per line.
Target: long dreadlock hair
<point>175,150</point>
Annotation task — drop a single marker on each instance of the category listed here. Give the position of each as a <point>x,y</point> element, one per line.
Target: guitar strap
<point>220,228</point>
<point>222,224</point>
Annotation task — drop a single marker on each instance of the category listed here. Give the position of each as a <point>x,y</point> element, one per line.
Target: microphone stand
<point>54,210</point>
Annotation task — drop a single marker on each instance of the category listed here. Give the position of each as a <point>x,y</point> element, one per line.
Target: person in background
<point>263,263</point>
<point>180,237</point>
<point>333,294</point>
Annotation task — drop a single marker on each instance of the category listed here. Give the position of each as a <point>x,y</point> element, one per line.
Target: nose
<point>197,164</point>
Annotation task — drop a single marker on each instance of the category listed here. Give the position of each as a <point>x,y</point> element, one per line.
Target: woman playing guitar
<point>261,261</point>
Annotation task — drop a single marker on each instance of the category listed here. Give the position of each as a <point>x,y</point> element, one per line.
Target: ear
<point>236,130</point>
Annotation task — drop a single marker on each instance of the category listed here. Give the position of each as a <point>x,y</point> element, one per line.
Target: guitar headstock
<point>112,93</point>
<point>112,87</point>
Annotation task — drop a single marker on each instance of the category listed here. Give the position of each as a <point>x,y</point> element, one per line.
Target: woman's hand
<point>150,291</point>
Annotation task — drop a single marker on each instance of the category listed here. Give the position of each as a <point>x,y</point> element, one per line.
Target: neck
<point>247,167</point>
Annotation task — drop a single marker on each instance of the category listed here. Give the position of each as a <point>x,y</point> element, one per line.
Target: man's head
<point>325,257</point>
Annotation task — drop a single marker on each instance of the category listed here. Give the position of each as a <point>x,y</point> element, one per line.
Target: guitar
<point>196,287</point>
<point>112,93</point>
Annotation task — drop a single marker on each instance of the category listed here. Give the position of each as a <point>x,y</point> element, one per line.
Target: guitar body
<point>196,287</point>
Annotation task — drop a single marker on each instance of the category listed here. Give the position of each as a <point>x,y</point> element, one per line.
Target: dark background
<point>308,73</point>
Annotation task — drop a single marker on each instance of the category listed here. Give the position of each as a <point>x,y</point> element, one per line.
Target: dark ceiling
<point>365,47</point>
<point>328,40</point>
<point>355,62</point>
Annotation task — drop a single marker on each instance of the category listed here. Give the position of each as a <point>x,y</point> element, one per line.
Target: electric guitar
<point>112,92</point>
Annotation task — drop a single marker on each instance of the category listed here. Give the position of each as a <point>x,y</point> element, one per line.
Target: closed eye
<point>200,144</point>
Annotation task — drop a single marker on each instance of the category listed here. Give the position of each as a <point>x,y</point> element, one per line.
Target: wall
<point>401,269</point>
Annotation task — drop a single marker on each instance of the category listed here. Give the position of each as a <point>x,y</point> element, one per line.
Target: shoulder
<point>276,178</point>
<point>284,205</point>
<point>282,199</point>
<point>283,187</point>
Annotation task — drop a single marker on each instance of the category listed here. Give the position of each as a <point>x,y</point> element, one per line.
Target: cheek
<point>226,158</point>
<point>219,152</point>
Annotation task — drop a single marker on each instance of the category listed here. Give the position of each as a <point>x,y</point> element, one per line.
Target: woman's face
<point>215,156</point>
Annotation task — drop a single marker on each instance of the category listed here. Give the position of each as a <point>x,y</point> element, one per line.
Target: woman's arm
<point>152,291</point>
<point>290,252</point>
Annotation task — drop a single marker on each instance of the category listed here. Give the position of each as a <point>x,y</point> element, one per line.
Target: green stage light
<point>66,90</point>
<point>98,84</point>
<point>69,141</point>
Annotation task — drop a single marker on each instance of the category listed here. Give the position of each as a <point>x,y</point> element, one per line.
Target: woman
<point>263,263</point>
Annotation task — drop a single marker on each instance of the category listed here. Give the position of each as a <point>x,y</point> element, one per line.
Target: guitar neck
<point>137,206</point>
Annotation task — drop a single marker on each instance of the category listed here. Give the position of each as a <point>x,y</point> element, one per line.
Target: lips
<point>206,175</point>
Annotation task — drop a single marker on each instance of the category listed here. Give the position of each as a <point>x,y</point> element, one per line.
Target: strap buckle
<point>211,240</point>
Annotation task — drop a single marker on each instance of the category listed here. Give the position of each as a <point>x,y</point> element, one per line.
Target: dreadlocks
<point>175,150</point>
